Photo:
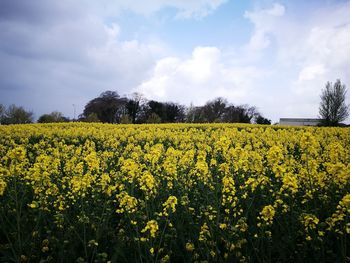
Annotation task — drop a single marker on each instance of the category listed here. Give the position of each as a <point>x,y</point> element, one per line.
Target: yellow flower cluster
<point>204,233</point>
<point>188,192</point>
<point>268,213</point>
<point>2,186</point>
<point>127,203</point>
<point>310,221</point>
<point>148,184</point>
<point>170,205</point>
<point>151,227</point>
<point>341,215</point>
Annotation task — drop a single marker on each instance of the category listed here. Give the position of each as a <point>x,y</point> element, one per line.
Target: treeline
<point>15,115</point>
<point>109,107</point>
<point>18,115</point>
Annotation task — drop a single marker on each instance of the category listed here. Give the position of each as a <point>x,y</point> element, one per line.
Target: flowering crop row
<point>180,193</point>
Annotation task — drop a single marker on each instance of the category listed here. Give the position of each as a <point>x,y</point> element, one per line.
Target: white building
<point>299,121</point>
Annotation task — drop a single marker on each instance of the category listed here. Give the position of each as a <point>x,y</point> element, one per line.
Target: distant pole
<point>74,111</point>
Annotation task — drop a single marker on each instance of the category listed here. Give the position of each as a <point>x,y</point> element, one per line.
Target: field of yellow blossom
<point>174,193</point>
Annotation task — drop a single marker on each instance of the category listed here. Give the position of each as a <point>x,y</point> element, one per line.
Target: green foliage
<point>54,116</point>
<point>214,110</point>
<point>167,112</point>
<point>134,107</point>
<point>219,110</point>
<point>261,120</point>
<point>154,118</point>
<point>91,118</point>
<point>125,119</point>
<point>16,115</point>
<point>108,107</point>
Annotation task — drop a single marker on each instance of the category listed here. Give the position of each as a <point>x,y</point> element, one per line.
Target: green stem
<point>97,237</point>
<point>9,240</point>
<point>18,219</point>
<point>161,237</point>
<point>138,236</point>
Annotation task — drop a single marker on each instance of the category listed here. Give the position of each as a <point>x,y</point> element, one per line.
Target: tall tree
<point>109,107</point>
<point>134,105</point>
<point>17,115</point>
<point>333,108</point>
<point>166,112</point>
<point>157,108</point>
<point>241,114</point>
<point>232,114</point>
<point>174,112</point>
<point>214,110</point>
<point>194,114</point>
<point>2,113</point>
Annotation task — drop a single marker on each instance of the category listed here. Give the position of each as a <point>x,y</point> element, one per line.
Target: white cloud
<point>311,72</point>
<point>323,54</point>
<point>119,60</point>
<point>203,76</point>
<point>305,55</point>
<point>308,52</point>
<point>264,20</point>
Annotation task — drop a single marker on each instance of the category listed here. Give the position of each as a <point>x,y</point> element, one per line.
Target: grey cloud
<point>56,53</point>
<point>39,11</point>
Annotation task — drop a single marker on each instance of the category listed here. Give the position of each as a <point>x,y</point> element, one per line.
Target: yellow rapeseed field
<point>174,193</point>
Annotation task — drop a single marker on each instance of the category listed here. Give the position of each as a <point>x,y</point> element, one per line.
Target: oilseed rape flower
<point>189,246</point>
<point>345,203</point>
<point>223,226</point>
<point>165,259</point>
<point>148,184</point>
<point>340,215</point>
<point>268,213</point>
<point>151,227</point>
<point>290,183</point>
<point>174,192</point>
<point>228,191</point>
<point>2,186</point>
<point>170,205</point>
<point>127,203</point>
<point>204,233</point>
<point>310,221</point>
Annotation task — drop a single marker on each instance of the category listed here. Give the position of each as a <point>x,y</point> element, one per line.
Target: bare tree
<point>17,115</point>
<point>333,108</point>
<point>2,112</point>
<point>134,106</point>
<point>194,114</point>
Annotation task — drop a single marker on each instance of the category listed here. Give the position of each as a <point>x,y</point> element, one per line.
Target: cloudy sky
<point>276,55</point>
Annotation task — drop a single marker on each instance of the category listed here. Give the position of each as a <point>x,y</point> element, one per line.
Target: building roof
<point>301,119</point>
